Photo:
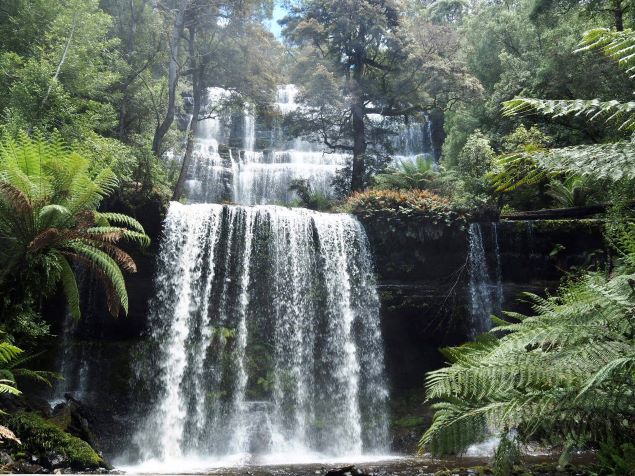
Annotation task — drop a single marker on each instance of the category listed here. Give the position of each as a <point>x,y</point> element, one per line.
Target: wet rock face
<point>423,274</point>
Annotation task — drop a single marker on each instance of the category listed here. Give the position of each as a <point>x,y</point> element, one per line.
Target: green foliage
<point>513,53</point>
<point>404,204</point>
<point>572,191</point>
<point>562,374</point>
<point>475,159</point>
<point>48,220</point>
<point>309,198</point>
<point>407,175</point>
<point>60,80</point>
<point>41,436</point>
<point>620,458</point>
<point>610,160</point>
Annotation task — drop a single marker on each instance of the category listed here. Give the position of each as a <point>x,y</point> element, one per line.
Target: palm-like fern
<point>408,175</point>
<point>612,160</point>
<point>48,221</point>
<point>572,191</point>
<point>565,374</point>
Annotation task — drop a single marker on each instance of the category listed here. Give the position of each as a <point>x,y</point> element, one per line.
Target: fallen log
<point>557,213</point>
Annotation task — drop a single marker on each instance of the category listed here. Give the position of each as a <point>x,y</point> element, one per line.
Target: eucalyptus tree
<point>378,64</point>
<point>60,66</point>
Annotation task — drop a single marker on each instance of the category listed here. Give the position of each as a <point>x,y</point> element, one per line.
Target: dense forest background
<point>532,107</point>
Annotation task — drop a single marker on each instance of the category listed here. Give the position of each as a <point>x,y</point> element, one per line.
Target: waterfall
<point>485,285</point>
<point>265,343</point>
<point>267,338</point>
<point>285,98</point>
<point>249,140</point>
<point>251,176</point>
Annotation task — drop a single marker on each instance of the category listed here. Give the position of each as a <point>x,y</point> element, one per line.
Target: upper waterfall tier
<point>261,168</point>
<point>265,337</point>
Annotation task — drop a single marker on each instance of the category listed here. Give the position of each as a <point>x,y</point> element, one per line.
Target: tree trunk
<point>130,45</point>
<point>61,62</point>
<point>173,77</point>
<point>359,148</point>
<point>359,132</point>
<point>618,12</point>
<point>197,93</point>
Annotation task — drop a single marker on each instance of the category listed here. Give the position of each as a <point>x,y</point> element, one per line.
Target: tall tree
<point>178,11</point>
<point>385,67</point>
<point>137,25</point>
<point>215,32</point>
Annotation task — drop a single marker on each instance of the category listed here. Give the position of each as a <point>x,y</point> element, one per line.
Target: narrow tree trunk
<point>359,132</point>
<point>197,93</point>
<point>61,62</point>
<point>359,148</point>
<point>173,78</point>
<point>618,13</point>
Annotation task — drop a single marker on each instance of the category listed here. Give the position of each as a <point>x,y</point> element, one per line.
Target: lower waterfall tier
<point>265,336</point>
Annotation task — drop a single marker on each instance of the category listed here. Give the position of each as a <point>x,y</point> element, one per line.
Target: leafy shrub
<point>40,437</point>
<point>402,204</point>
<point>407,175</point>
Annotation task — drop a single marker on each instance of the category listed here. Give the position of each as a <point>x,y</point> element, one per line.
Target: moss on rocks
<point>42,437</point>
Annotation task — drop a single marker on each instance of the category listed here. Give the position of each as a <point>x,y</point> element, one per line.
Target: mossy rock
<point>42,437</point>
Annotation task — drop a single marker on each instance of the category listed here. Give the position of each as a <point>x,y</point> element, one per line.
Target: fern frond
<point>121,219</point>
<point>69,285</point>
<point>8,352</point>
<point>618,45</point>
<point>602,161</point>
<point>592,109</point>
<point>107,266</point>
<point>8,386</point>
<point>40,376</point>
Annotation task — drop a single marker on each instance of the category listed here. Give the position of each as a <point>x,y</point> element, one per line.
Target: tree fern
<point>612,161</point>
<point>48,203</point>
<point>563,374</point>
<point>406,175</point>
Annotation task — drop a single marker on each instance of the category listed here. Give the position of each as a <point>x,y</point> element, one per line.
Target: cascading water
<point>265,336</point>
<point>267,330</point>
<point>485,286</point>
<point>414,139</point>
<point>251,176</point>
